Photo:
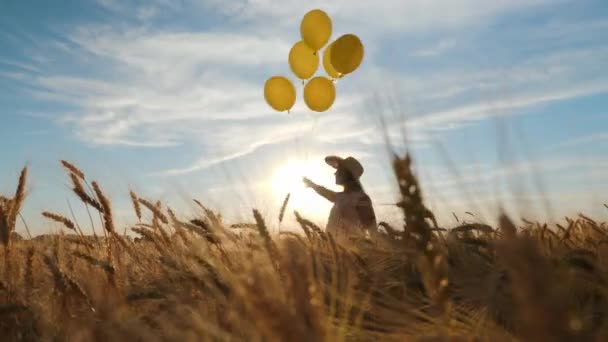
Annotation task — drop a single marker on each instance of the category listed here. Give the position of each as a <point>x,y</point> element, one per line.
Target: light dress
<point>344,220</point>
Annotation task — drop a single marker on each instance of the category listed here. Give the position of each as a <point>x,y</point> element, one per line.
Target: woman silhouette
<point>352,214</point>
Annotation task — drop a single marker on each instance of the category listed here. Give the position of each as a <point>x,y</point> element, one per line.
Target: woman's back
<point>351,215</point>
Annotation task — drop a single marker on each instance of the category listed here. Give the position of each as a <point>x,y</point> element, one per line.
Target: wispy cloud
<point>475,112</point>
<point>396,15</point>
<point>149,52</point>
<point>160,87</point>
<point>584,140</point>
<point>19,65</point>
<point>434,50</point>
<point>142,11</point>
<point>448,100</point>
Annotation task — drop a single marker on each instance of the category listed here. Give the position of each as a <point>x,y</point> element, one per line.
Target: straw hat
<point>351,164</point>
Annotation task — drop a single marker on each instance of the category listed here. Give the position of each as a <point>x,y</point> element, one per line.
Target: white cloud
<point>144,12</point>
<point>19,65</point>
<point>167,52</point>
<point>167,88</point>
<point>442,100</point>
<point>155,104</point>
<point>479,111</point>
<point>159,88</point>
<point>434,50</point>
<point>358,15</point>
<point>109,4</point>
<point>584,140</point>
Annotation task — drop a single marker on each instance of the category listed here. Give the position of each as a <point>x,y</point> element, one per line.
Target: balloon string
<point>313,130</point>
<point>298,146</point>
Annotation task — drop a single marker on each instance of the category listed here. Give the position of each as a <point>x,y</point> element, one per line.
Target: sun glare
<point>288,179</point>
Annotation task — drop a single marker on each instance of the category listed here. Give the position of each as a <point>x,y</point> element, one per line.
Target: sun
<point>287,179</point>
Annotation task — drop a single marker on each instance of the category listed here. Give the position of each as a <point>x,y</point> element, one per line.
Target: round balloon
<point>319,93</point>
<point>303,61</point>
<point>329,69</point>
<point>315,29</point>
<point>280,93</point>
<point>346,53</point>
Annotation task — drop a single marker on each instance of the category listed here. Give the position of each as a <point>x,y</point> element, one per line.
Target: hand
<point>307,182</point>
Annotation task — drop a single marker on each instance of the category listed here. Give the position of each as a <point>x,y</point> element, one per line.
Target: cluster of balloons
<point>340,58</point>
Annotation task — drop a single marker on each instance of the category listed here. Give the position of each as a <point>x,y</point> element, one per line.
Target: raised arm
<point>321,190</point>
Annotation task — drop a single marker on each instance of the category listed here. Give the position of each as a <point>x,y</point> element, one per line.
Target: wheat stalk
<point>305,225</point>
<point>66,283</point>
<point>155,209</point>
<point>244,226</point>
<point>28,277</point>
<point>149,234</point>
<point>107,267</point>
<point>216,219</point>
<point>106,208</point>
<point>9,209</point>
<point>73,169</point>
<point>61,219</point>
<point>83,195</point>
<point>271,248</point>
<point>136,206</point>
<point>5,229</point>
<point>283,207</point>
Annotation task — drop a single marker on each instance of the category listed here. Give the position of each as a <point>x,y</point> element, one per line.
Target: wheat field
<point>203,279</point>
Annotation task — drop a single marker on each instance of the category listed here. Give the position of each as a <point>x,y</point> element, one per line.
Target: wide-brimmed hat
<point>349,163</point>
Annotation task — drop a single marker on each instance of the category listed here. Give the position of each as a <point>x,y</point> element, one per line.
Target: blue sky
<point>500,102</point>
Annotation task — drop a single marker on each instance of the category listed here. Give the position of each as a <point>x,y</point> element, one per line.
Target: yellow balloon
<point>319,93</point>
<point>303,61</point>
<point>280,93</point>
<point>329,69</point>
<point>346,53</point>
<point>315,29</point>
